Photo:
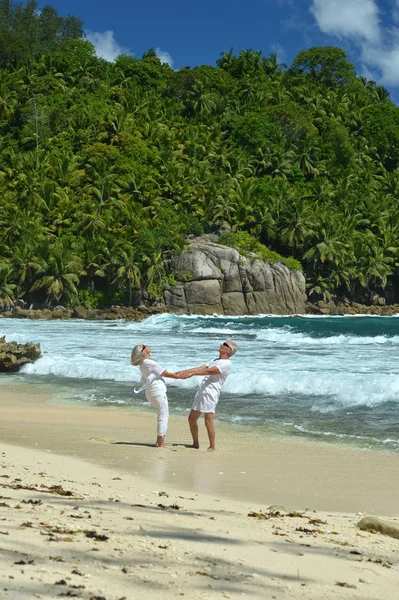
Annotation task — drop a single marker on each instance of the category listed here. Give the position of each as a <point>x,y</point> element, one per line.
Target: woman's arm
<point>170,375</point>
<point>199,371</point>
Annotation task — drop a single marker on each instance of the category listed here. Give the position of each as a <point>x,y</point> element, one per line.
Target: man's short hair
<point>233,346</point>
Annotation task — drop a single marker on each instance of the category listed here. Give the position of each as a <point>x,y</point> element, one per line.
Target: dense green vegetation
<point>106,168</point>
<point>248,245</point>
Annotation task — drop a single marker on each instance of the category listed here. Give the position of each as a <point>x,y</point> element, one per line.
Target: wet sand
<point>245,466</point>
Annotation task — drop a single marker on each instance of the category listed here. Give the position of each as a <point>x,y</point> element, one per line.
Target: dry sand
<point>89,509</point>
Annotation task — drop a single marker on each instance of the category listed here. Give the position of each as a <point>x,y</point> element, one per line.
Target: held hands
<point>183,374</point>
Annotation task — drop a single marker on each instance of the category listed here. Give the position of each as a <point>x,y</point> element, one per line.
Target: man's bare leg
<point>210,427</point>
<point>193,423</point>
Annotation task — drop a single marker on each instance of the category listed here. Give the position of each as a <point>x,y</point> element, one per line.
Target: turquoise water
<point>334,379</point>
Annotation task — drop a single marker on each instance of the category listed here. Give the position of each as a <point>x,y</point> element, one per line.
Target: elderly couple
<point>205,400</point>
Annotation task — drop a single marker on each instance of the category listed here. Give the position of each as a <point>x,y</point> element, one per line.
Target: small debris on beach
<point>96,536</point>
<point>345,585</point>
<point>308,531</point>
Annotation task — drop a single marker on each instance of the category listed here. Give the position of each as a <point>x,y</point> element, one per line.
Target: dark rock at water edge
<point>13,355</point>
<point>346,307</point>
<point>80,312</point>
<point>330,308</point>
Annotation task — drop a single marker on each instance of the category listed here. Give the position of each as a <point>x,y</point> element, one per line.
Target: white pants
<point>159,401</point>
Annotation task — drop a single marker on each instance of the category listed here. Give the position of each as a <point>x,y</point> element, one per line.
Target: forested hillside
<point>106,167</point>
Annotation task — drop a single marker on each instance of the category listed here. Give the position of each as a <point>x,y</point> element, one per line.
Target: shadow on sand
<point>151,445</point>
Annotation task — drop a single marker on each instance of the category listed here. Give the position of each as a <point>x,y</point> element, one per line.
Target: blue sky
<point>188,33</point>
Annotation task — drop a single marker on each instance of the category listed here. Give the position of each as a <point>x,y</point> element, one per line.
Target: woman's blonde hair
<point>137,357</point>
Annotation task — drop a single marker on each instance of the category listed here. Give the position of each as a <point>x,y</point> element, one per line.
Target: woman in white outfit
<point>152,375</point>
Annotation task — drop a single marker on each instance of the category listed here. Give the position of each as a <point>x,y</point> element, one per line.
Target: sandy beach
<point>89,509</point>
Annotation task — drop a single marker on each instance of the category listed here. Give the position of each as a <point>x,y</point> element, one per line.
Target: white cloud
<point>105,44</point>
<point>385,60</point>
<point>359,22</point>
<point>348,18</point>
<point>279,51</point>
<point>164,57</point>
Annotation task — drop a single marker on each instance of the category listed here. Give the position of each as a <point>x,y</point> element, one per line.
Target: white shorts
<point>204,404</point>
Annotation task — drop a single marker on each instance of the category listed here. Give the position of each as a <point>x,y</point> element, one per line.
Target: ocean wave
<point>323,393</point>
<point>193,323</point>
<point>337,388</point>
<point>322,365</point>
<point>262,327</point>
<point>242,419</point>
<point>82,367</point>
<point>394,443</point>
<point>291,338</point>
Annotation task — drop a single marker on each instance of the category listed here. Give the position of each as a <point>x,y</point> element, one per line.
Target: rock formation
<point>376,525</point>
<point>13,355</point>
<point>217,279</point>
<point>80,312</point>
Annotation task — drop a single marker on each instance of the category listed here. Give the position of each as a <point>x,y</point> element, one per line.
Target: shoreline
<point>128,313</point>
<point>246,465</point>
<point>112,517</point>
<point>261,431</point>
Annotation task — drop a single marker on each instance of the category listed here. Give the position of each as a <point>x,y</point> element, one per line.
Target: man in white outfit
<point>208,393</point>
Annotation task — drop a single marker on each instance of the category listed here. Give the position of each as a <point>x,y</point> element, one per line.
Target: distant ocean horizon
<point>331,379</point>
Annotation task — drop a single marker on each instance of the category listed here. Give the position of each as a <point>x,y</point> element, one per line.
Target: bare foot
<point>211,449</point>
<point>160,443</point>
<point>196,446</point>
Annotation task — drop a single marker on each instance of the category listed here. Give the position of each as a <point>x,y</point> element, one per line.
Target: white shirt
<point>151,376</point>
<point>211,386</point>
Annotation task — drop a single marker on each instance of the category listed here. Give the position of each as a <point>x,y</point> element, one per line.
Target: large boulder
<point>61,312</point>
<point>79,312</point>
<point>376,525</point>
<point>216,279</point>
<point>44,314</point>
<point>13,355</point>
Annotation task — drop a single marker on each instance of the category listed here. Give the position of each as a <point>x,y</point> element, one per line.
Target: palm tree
<point>8,97</point>
<point>319,192</point>
<point>200,101</point>
<point>308,159</point>
<point>6,287</point>
<point>227,60</point>
<point>25,263</point>
<point>154,271</point>
<point>271,64</point>
<point>102,183</point>
<point>298,226</point>
<point>222,209</point>
<point>11,220</point>
<point>96,260</point>
<point>128,269</point>
<point>60,272</point>
<point>275,162</point>
<point>278,94</point>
